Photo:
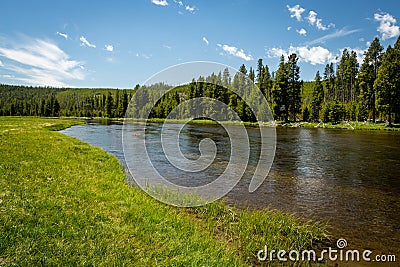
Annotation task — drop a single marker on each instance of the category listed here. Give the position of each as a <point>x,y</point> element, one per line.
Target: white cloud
<point>62,34</point>
<point>160,2</point>
<point>205,40</point>
<point>314,20</point>
<point>336,34</point>
<point>295,11</point>
<point>167,46</point>
<point>41,62</point>
<point>302,32</point>
<point>312,17</point>
<point>145,56</point>
<point>313,55</point>
<point>276,52</point>
<point>234,51</point>
<point>85,42</point>
<point>289,28</point>
<point>191,9</point>
<point>180,3</point>
<point>109,48</point>
<point>1,64</point>
<point>387,25</point>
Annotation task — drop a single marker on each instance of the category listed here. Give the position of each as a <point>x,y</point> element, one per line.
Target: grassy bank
<point>352,125</point>
<point>63,202</point>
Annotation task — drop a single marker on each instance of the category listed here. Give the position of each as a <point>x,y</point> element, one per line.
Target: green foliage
<point>54,102</point>
<point>387,83</point>
<point>329,78</point>
<point>286,89</point>
<point>317,98</point>
<point>346,77</point>
<point>280,92</point>
<point>306,114</point>
<point>294,86</point>
<point>368,74</point>
<point>332,112</point>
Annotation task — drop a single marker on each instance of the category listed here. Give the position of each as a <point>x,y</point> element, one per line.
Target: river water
<point>349,179</point>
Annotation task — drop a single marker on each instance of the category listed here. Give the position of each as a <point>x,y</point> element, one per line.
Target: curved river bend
<point>350,179</point>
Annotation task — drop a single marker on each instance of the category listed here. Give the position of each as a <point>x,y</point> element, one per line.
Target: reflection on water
<point>349,178</point>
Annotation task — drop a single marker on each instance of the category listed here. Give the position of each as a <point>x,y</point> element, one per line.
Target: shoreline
<point>351,125</point>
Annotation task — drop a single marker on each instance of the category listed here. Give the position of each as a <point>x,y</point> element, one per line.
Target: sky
<point>118,44</point>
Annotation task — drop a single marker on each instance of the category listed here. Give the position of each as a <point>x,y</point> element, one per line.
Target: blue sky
<point>122,43</point>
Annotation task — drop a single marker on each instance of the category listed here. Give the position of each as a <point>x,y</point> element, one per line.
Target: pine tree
<point>317,97</point>
<point>280,91</point>
<point>387,83</point>
<point>251,74</point>
<point>329,78</point>
<point>109,105</point>
<point>294,86</point>
<point>368,73</point>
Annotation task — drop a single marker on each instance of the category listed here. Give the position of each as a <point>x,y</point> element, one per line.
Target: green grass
<point>64,202</point>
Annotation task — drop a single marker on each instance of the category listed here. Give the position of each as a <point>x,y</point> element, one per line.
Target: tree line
<point>358,93</point>
<point>54,102</point>
<point>345,91</point>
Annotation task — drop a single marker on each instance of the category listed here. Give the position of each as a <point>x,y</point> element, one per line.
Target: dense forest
<point>54,102</point>
<point>345,91</point>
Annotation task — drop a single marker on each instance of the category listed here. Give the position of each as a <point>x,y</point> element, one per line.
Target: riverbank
<point>351,125</point>
<point>63,202</point>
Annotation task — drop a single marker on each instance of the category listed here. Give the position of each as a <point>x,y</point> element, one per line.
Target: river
<point>349,179</point>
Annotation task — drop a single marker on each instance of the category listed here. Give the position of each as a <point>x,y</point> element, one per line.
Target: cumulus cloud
<point>313,55</point>
<point>64,35</point>
<point>296,11</point>
<point>160,2</point>
<point>205,40</point>
<point>85,42</point>
<point>40,62</point>
<point>302,32</point>
<point>234,51</point>
<point>314,20</point>
<point>387,25</point>
<point>109,48</point>
<point>289,28</point>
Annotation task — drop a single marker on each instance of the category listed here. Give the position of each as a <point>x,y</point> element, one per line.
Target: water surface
<point>350,179</point>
